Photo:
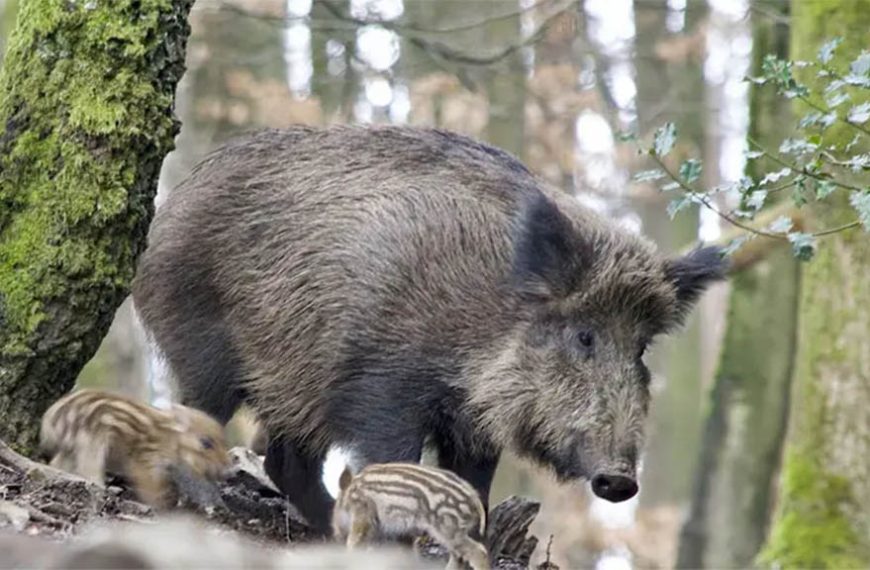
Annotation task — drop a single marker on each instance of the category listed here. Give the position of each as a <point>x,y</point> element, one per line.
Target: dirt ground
<point>39,502</point>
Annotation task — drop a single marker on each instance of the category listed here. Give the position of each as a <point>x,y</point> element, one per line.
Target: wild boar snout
<point>614,487</point>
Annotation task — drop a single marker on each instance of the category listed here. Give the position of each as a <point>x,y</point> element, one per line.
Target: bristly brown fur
<point>375,286</point>
<point>91,432</point>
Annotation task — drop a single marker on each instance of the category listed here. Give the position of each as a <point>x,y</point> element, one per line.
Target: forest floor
<point>42,503</point>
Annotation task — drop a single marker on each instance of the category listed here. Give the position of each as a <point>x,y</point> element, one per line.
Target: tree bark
<point>8,10</point>
<point>822,520</point>
<point>86,107</point>
<point>740,451</point>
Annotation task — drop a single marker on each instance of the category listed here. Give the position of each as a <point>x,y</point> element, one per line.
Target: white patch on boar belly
<point>334,463</point>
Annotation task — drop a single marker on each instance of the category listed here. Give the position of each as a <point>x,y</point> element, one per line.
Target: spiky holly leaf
<point>826,52</point>
<point>690,170</point>
<point>861,202</point>
<point>664,139</point>
<point>803,245</point>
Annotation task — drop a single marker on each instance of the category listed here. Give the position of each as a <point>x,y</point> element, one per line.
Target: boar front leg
<point>298,474</point>
<point>382,429</point>
<point>476,468</point>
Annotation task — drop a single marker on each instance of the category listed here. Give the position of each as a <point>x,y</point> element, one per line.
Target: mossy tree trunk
<point>7,18</point>
<point>86,108</point>
<point>822,519</point>
<point>740,451</point>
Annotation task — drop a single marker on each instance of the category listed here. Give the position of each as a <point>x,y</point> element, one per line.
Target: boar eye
<point>585,339</point>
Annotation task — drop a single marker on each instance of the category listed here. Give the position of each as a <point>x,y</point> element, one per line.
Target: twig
<point>795,168</point>
<point>410,27</point>
<point>773,16</point>
<point>481,22</point>
<point>549,546</point>
<point>39,516</point>
<point>825,110</point>
<point>838,229</point>
<point>446,52</point>
<point>756,249</point>
<point>704,201</point>
<point>841,163</point>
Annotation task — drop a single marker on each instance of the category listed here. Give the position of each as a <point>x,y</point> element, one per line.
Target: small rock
<point>10,513</point>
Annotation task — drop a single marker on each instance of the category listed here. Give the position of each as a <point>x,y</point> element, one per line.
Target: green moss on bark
<point>813,532</point>
<point>822,518</point>
<point>86,97</point>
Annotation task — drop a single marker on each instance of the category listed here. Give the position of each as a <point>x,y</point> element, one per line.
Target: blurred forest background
<point>554,82</point>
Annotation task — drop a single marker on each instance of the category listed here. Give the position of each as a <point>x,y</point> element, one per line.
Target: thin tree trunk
<point>822,519</point>
<point>505,88</point>
<point>742,441</point>
<point>86,107</point>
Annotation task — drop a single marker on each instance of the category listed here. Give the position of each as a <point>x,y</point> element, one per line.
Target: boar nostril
<point>614,488</point>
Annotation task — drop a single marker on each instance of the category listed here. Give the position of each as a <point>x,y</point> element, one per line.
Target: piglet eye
<point>585,339</point>
<point>206,443</point>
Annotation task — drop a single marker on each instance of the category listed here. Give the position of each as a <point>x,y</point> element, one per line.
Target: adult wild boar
<point>375,287</point>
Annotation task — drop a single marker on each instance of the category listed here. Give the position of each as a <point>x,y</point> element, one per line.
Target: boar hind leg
<point>299,475</point>
<point>201,354</point>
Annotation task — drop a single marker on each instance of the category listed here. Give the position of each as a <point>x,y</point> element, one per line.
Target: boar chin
<point>566,463</point>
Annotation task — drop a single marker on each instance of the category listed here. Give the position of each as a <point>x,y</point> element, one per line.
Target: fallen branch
<point>758,247</point>
<point>507,530</point>
<point>14,461</point>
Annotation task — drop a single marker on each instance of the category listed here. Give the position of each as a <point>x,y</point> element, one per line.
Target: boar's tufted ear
<point>692,273</point>
<point>548,253</point>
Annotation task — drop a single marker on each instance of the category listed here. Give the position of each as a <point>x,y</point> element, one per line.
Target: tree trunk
<point>8,9</point>
<point>742,440</point>
<point>86,104</point>
<point>505,88</point>
<point>675,416</point>
<point>822,518</point>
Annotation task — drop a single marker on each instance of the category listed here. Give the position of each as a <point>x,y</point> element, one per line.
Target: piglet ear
<point>181,417</point>
<point>692,273</point>
<point>548,253</point>
<point>345,479</point>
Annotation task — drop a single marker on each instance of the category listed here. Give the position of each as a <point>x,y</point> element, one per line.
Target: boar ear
<point>548,253</point>
<point>692,273</point>
<point>345,479</point>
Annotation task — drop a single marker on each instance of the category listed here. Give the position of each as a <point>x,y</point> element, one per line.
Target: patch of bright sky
<point>610,25</point>
<point>297,48</point>
<point>676,18</point>
<point>729,48</point>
